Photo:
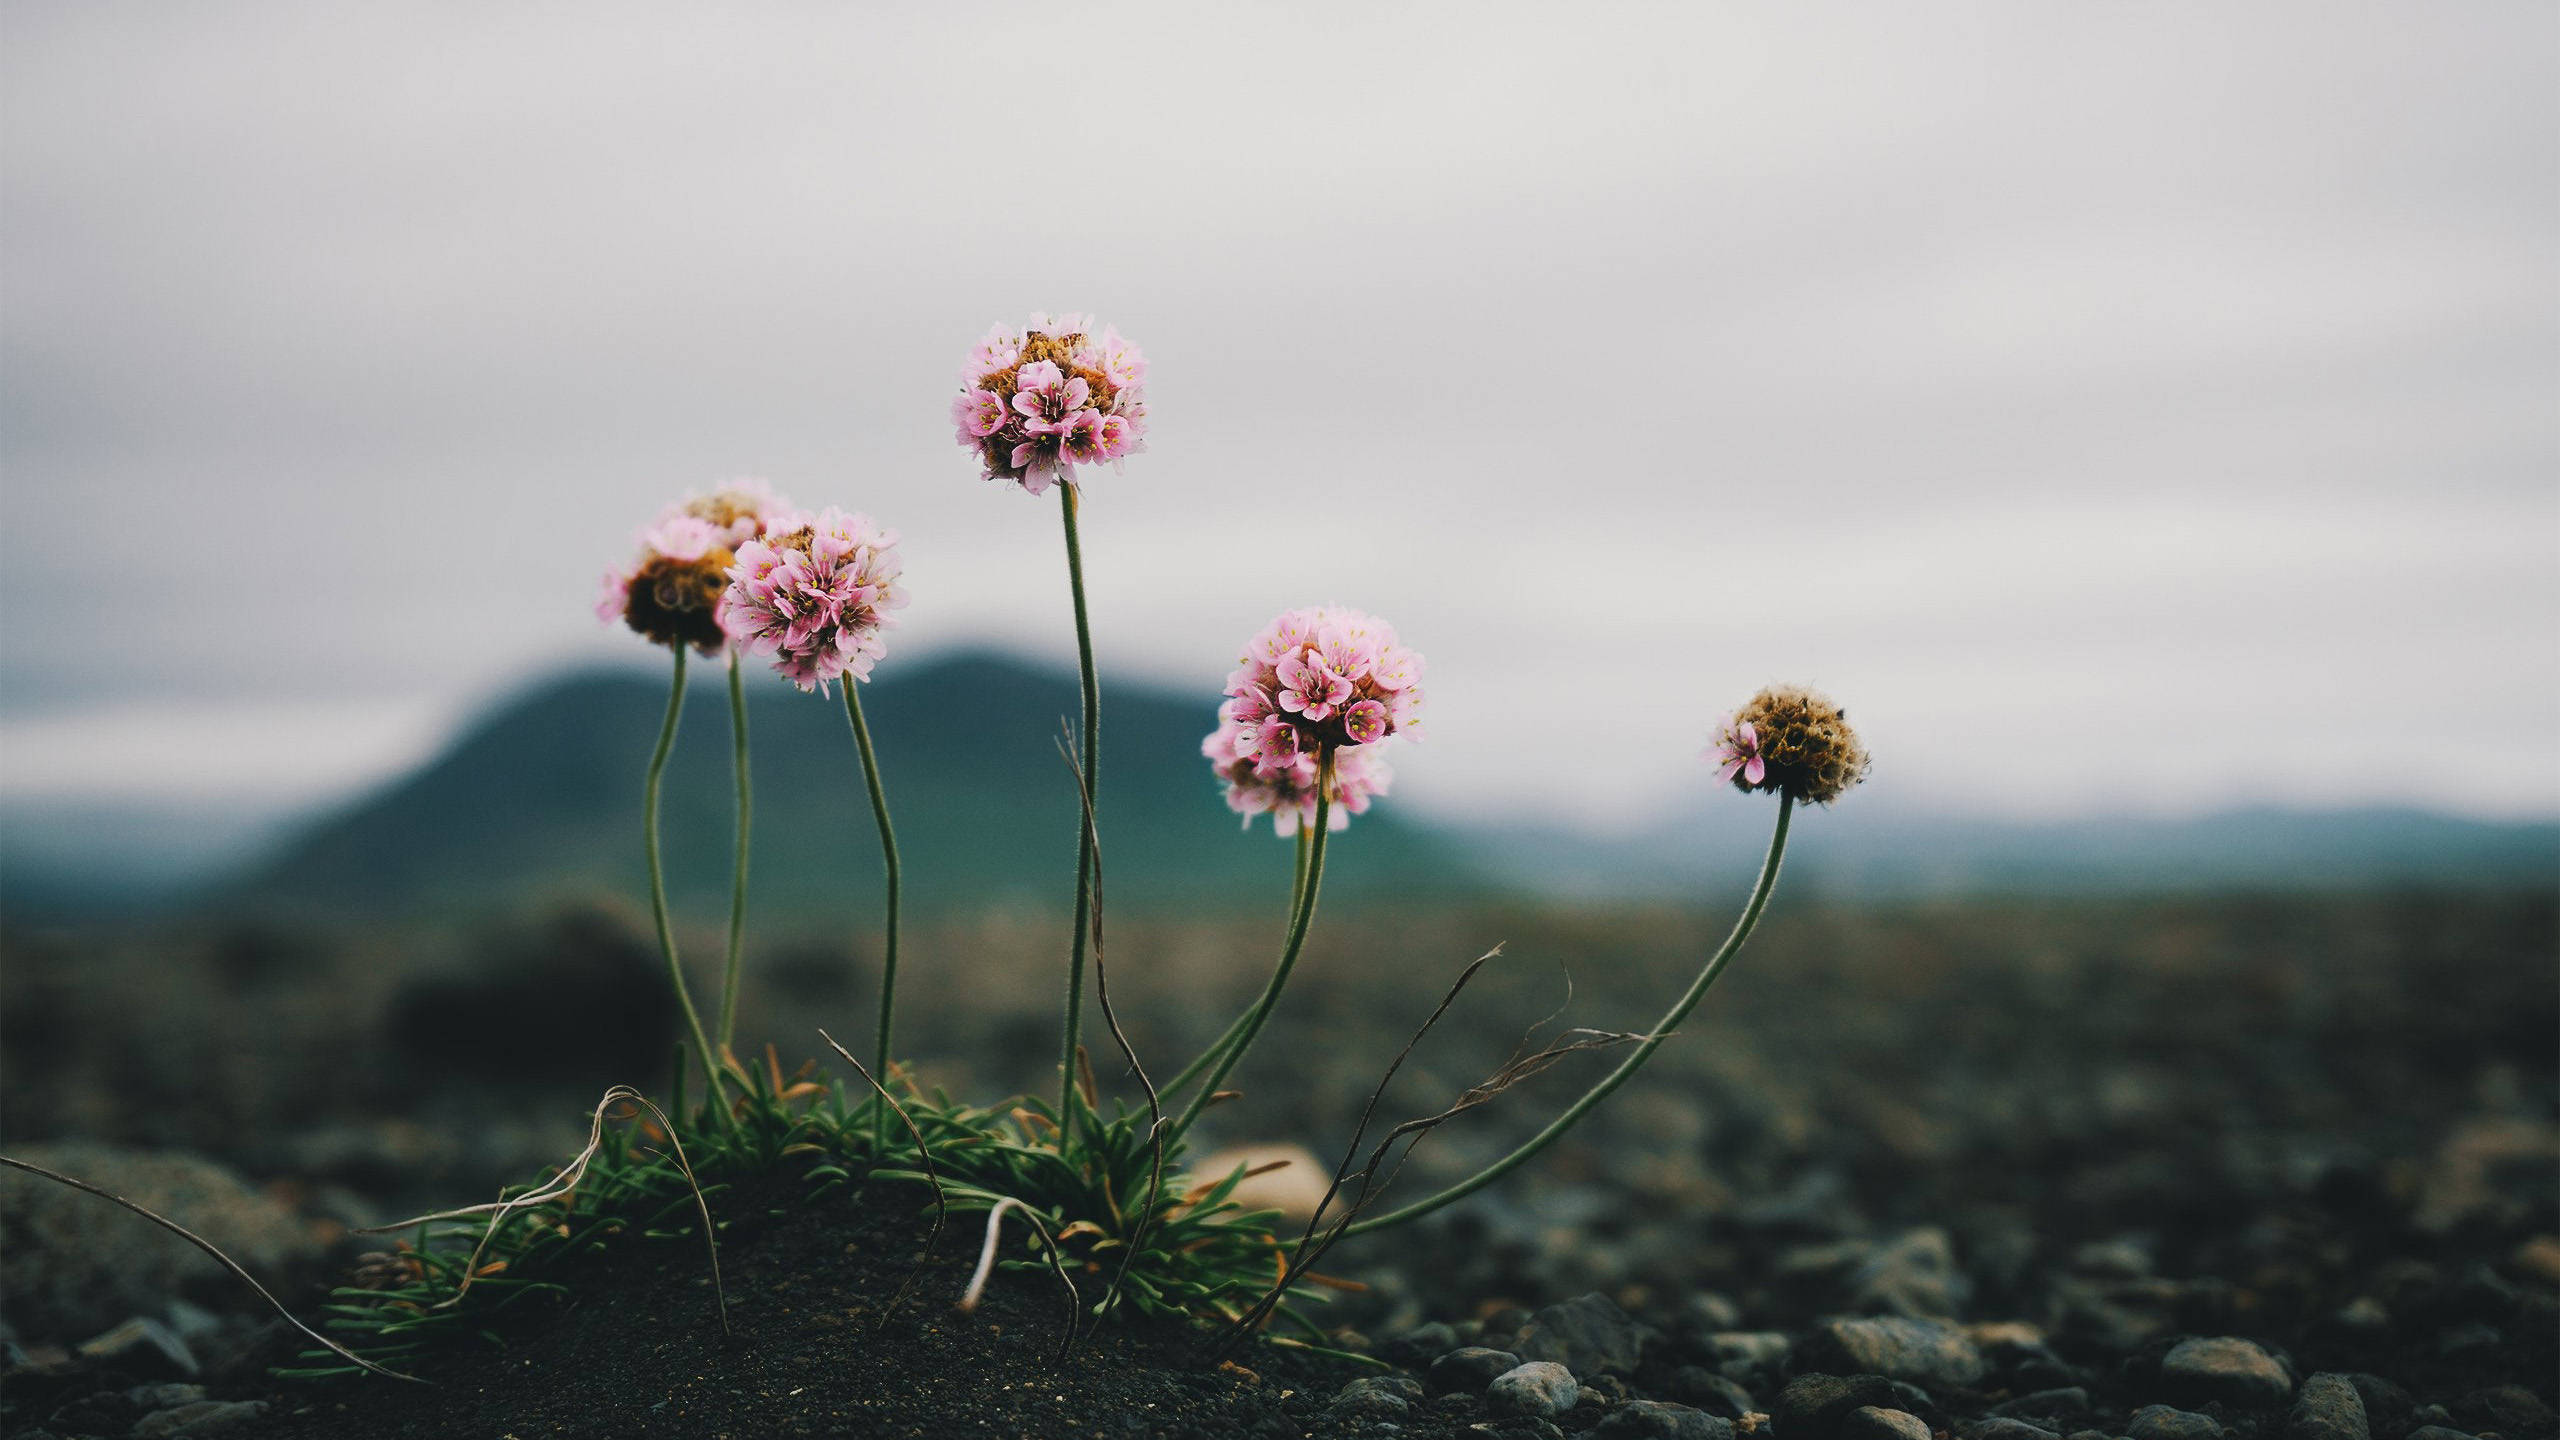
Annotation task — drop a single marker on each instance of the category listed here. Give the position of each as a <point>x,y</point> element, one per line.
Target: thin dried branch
<point>1521,1067</point>
<point>561,1187</point>
<point>1359,1132</point>
<point>719,1290</point>
<point>1102,992</point>
<point>987,1260</point>
<point>924,1152</point>
<point>208,1247</point>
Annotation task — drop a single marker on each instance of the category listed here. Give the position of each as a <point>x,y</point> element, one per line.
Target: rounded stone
<point>1540,1387</point>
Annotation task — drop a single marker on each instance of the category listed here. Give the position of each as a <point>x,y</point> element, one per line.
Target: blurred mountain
<point>543,797</point>
<point>540,800</point>
<point>1871,847</point>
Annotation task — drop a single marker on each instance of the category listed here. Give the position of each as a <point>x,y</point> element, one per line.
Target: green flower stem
<point>889,857</point>
<point>1089,743</point>
<point>658,875</point>
<point>1261,1011</point>
<point>738,871</point>
<point>1235,1027</point>
<point>1627,1068</point>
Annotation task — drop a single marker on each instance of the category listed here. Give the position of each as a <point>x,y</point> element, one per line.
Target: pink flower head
<point>734,513</point>
<point>1317,680</point>
<point>815,595</point>
<point>1737,752</point>
<point>671,593</point>
<point>1287,792</point>
<point>1042,402</point>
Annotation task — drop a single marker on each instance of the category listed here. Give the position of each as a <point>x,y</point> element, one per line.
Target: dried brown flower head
<point>1803,742</point>
<point>676,602</point>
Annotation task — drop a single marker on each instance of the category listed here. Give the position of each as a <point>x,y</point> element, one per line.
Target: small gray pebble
<point>1380,1397</point>
<point>1716,1394</point>
<point>1470,1368</point>
<point>1519,1427</point>
<point>1655,1420</point>
<point>2167,1422</point>
<point>1540,1387</point>
<point>2001,1427</point>
<point>2045,1404</point>
<point>2225,1368</point>
<point>1874,1422</point>
<point>2328,1409</point>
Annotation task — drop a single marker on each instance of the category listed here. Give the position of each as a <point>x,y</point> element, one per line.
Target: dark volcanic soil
<point>640,1354</point>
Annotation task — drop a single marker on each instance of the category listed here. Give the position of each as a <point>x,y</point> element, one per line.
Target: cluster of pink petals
<point>1038,402</point>
<point>1737,752</point>
<point>694,529</point>
<point>1321,679</point>
<point>814,593</point>
<point>1288,795</point>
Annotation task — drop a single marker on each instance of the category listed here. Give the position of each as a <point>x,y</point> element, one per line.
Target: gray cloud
<point>2179,381</point>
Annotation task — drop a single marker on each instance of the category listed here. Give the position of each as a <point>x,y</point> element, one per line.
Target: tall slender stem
<point>889,858</point>
<point>738,869</point>
<point>1261,1012</point>
<point>1235,1027</point>
<point>1627,1068</point>
<point>1089,745</point>
<point>658,874</point>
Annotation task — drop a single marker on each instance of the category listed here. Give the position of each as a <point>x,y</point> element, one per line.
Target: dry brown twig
<point>941,1201</point>
<point>968,1303</point>
<point>1523,1065</point>
<point>562,1186</point>
<point>208,1247</point>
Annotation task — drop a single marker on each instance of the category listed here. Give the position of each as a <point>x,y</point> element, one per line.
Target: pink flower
<point>1271,743</point>
<point>1321,679</point>
<point>1737,752</point>
<point>1366,722</point>
<point>616,596</point>
<point>1042,402</point>
<point>1287,792</point>
<point>1309,687</point>
<point>683,537</point>
<point>977,414</point>
<point>1116,437</point>
<point>1048,399</point>
<point>1121,362</point>
<point>1000,351</point>
<point>815,596</point>
<point>1081,441</point>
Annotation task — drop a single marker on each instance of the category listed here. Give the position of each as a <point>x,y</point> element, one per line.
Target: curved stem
<point>658,874</point>
<point>1235,1027</point>
<point>1261,1012</point>
<point>1627,1068</point>
<point>738,870</point>
<point>1089,746</point>
<point>889,857</point>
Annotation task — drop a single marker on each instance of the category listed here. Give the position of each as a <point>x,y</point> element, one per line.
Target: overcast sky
<point>2117,407</point>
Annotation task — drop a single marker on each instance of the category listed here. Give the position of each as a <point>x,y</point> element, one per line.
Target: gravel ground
<point>2167,1172</point>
